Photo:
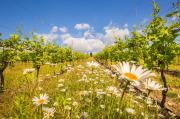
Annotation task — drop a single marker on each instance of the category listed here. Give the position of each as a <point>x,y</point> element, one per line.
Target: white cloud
<point>93,42</point>
<point>88,40</point>
<point>49,36</point>
<point>112,32</point>
<point>125,25</point>
<point>65,36</point>
<point>54,29</point>
<point>82,44</point>
<point>88,34</point>
<point>82,26</point>
<point>63,29</point>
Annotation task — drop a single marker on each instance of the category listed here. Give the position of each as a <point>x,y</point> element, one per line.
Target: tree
<point>8,54</point>
<point>37,54</point>
<point>137,46</point>
<point>162,45</point>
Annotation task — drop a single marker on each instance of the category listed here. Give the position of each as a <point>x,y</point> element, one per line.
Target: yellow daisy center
<point>131,76</point>
<point>41,101</point>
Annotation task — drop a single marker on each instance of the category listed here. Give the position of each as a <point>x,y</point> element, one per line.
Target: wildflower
<point>28,71</point>
<point>131,89</point>
<point>63,90</point>
<point>102,106</point>
<point>67,107</point>
<point>43,99</point>
<point>40,80</point>
<point>74,103</point>
<point>152,85</point>
<point>47,63</point>
<point>172,114</point>
<point>93,64</point>
<point>53,64</point>
<point>132,73</point>
<point>61,80</point>
<point>112,90</point>
<point>99,93</point>
<point>47,76</point>
<point>84,115</point>
<point>69,99</point>
<point>58,73</point>
<point>48,112</point>
<point>85,93</point>
<point>130,110</point>
<point>107,71</point>
<point>160,115</point>
<point>60,85</point>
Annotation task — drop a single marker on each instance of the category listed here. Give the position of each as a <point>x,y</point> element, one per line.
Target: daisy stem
<point>127,83</point>
<point>149,91</point>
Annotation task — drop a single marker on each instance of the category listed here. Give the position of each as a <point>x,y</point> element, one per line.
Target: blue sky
<point>41,15</point>
<point>102,17</point>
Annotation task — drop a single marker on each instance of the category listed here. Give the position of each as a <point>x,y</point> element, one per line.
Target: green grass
<point>96,97</point>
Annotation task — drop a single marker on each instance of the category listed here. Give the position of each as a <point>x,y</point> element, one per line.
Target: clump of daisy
<point>41,100</point>
<point>93,64</point>
<point>48,112</point>
<point>53,64</point>
<point>28,71</point>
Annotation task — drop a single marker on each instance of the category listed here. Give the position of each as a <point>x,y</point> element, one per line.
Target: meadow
<point>81,91</point>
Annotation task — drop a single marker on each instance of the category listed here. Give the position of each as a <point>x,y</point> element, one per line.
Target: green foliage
<point>162,45</point>
<point>9,50</point>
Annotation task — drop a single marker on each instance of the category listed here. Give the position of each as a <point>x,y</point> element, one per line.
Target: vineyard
<point>134,78</point>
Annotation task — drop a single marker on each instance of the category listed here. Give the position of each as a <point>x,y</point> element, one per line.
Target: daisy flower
<point>43,99</point>
<point>130,110</point>
<point>92,64</point>
<point>132,73</point>
<point>152,85</point>
<point>48,112</point>
<point>84,115</point>
<point>28,71</point>
<point>75,103</point>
